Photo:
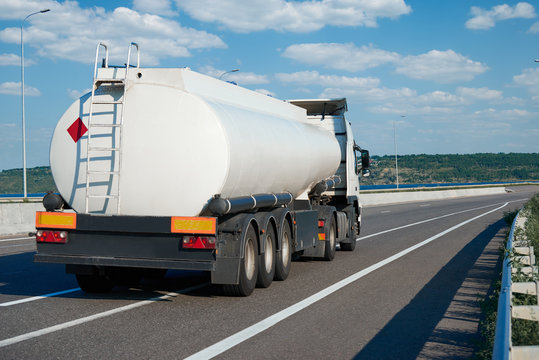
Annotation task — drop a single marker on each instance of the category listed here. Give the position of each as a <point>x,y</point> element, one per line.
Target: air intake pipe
<point>221,206</point>
<point>325,185</point>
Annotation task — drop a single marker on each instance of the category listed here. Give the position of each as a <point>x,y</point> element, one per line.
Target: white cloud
<point>242,78</point>
<point>14,88</point>
<point>484,93</point>
<point>294,16</point>
<point>440,66</point>
<point>534,29</point>
<point>157,7</point>
<point>75,94</point>
<point>14,60</point>
<point>528,79</point>
<point>71,32</point>
<point>340,56</point>
<point>315,78</point>
<point>486,19</point>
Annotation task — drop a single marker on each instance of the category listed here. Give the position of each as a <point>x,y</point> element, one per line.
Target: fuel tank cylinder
<point>165,141</point>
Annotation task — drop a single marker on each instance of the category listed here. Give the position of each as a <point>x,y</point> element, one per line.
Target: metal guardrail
<point>503,348</point>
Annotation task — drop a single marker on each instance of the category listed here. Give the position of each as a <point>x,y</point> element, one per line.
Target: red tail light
<point>320,223</point>
<point>198,242</point>
<point>50,236</point>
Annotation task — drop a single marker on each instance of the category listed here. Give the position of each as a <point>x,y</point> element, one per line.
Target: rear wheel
<point>266,264</point>
<point>331,239</point>
<point>283,260</point>
<point>248,267</point>
<point>94,283</point>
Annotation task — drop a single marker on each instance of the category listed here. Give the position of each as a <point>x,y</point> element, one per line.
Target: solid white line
<point>431,219</point>
<point>100,315</point>
<point>265,324</point>
<point>17,239</point>
<point>16,245</point>
<point>39,297</point>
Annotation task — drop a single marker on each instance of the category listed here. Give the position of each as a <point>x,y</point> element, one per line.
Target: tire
<point>348,246</point>
<point>331,239</point>
<point>94,283</point>
<point>266,263</point>
<point>352,245</point>
<point>283,260</point>
<point>248,267</point>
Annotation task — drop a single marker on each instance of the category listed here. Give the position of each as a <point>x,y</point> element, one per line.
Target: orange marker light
<point>193,225</point>
<point>56,220</point>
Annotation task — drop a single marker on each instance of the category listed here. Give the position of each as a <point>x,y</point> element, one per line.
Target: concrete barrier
<point>16,218</point>
<point>395,197</point>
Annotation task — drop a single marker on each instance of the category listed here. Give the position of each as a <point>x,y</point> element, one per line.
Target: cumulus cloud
<point>14,88</point>
<point>240,77</point>
<point>294,16</point>
<point>157,7</point>
<point>340,56</point>
<point>534,29</point>
<point>440,66</point>
<point>14,60</point>
<point>528,79</point>
<point>71,32</point>
<point>486,19</point>
<point>315,78</point>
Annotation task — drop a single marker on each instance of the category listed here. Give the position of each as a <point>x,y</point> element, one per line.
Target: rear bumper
<point>126,262</point>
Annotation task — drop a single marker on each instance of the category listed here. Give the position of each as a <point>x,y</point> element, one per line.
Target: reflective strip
<point>56,220</point>
<point>193,225</point>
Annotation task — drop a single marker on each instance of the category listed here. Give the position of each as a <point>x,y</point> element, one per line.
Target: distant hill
<point>38,180</point>
<point>453,168</point>
<point>413,169</point>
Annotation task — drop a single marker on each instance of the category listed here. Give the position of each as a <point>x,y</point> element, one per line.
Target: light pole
<point>22,93</point>
<point>227,72</point>
<point>395,143</point>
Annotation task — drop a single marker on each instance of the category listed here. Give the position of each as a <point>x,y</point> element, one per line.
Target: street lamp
<point>22,92</point>
<point>227,72</point>
<point>395,143</point>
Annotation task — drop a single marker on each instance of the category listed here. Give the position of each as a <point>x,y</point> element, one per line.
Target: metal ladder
<point>91,149</point>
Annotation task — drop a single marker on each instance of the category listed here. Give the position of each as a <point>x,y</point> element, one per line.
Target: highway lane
<point>419,305</point>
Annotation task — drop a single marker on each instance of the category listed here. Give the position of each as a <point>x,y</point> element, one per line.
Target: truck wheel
<point>94,283</point>
<point>266,263</point>
<point>348,246</point>
<point>248,267</point>
<point>331,240</point>
<point>283,260</point>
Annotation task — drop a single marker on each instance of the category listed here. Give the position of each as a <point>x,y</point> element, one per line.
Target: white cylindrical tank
<point>185,137</point>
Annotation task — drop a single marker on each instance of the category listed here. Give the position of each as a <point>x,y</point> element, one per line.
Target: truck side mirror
<point>365,159</point>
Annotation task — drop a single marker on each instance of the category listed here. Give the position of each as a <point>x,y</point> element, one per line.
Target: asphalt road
<point>409,290</point>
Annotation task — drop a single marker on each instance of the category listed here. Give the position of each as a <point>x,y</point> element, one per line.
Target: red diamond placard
<point>77,130</point>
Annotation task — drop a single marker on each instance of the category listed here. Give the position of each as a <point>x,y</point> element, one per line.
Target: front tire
<point>248,267</point>
<point>266,263</point>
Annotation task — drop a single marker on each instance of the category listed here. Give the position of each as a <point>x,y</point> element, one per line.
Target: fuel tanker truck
<point>162,169</point>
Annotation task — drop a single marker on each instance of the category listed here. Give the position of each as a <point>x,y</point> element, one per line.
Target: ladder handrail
<point>129,56</point>
<point>97,57</point>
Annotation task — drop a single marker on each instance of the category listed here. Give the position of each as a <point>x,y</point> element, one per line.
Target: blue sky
<point>455,76</point>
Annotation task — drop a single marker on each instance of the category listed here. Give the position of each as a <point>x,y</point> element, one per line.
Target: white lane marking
<point>385,211</point>
<point>100,315</point>
<point>17,239</point>
<point>265,324</point>
<point>39,297</point>
<point>16,245</point>
<point>431,219</point>
<point>424,205</point>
